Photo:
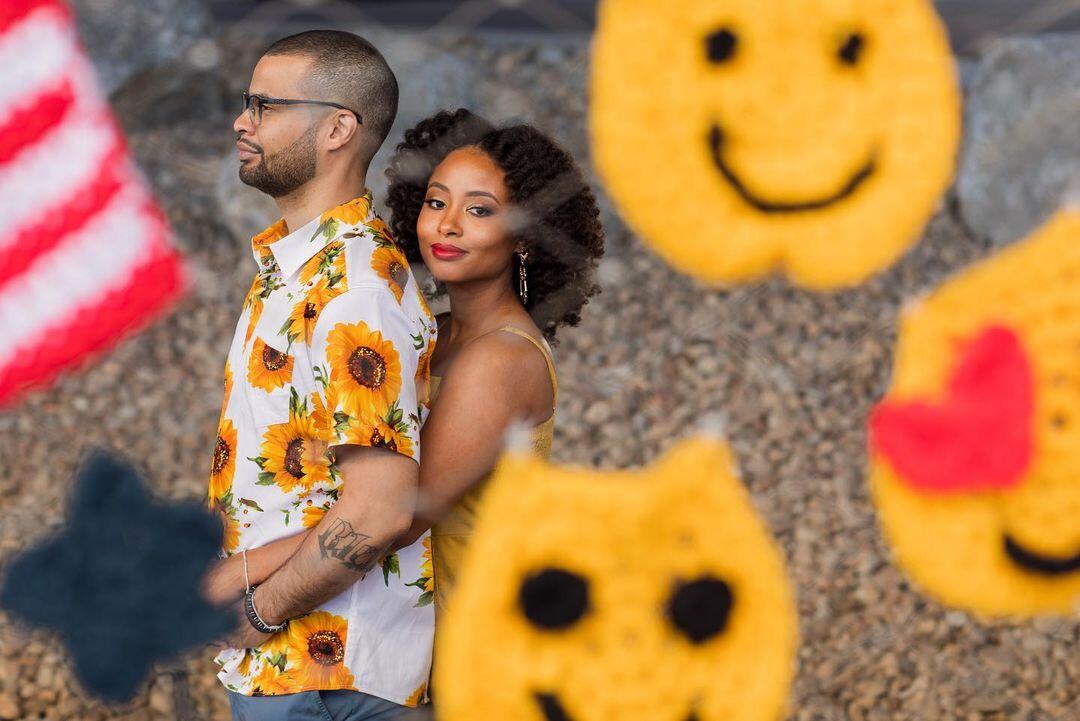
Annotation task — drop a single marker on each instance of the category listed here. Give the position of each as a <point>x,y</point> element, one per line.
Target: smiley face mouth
<point>1038,563</point>
<point>553,709</point>
<point>716,146</point>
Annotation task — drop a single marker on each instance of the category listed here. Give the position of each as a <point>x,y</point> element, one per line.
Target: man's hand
<point>374,509</point>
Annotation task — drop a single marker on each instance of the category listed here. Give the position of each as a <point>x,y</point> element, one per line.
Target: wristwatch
<point>253,615</point>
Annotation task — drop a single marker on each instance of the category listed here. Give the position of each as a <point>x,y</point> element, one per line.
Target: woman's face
<point>464,225</point>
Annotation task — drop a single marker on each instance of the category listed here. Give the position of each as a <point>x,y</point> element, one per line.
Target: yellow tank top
<point>450,536</point>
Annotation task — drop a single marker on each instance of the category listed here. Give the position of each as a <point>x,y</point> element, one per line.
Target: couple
<point>341,545</point>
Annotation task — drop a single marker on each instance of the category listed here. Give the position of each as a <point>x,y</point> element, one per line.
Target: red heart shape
<point>981,437</point>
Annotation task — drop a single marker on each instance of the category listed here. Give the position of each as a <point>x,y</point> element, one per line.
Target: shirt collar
<point>290,250</point>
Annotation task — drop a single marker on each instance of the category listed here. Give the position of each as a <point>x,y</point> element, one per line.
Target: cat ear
<point>705,455</point>
<point>518,460</point>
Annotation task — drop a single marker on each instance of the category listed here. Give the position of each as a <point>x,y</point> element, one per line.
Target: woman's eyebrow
<point>484,193</point>
<point>440,186</point>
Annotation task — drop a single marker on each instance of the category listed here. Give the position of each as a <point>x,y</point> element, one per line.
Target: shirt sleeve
<point>365,360</point>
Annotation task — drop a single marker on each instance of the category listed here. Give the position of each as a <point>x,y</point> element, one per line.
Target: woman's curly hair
<point>560,228</point>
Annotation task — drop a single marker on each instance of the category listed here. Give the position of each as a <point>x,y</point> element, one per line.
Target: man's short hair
<point>348,70</point>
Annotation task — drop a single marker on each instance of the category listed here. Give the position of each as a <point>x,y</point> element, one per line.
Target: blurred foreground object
<point>813,137</point>
<point>120,583</point>
<point>976,462</point>
<point>85,254</point>
<point>654,595</point>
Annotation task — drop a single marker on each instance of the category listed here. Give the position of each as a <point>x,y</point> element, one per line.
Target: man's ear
<point>343,128</point>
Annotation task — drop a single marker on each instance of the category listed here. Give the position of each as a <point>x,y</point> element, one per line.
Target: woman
<point>506,223</point>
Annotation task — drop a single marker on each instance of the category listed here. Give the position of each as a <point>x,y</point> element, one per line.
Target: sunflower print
<point>365,370</point>
<point>423,375</point>
<point>223,466</point>
<point>352,213</point>
<point>265,283</point>
<point>389,432</point>
<point>379,227</point>
<point>316,651</point>
<point>268,368</point>
<point>389,262</point>
<point>255,304</point>
<point>231,538</point>
<point>274,233</point>
<point>305,314</point>
<point>348,214</point>
<point>424,305</point>
<point>426,582</point>
<point>313,514</point>
<point>271,681</point>
<point>330,261</point>
<point>228,388</point>
<point>245,663</point>
<point>416,696</point>
<point>295,453</point>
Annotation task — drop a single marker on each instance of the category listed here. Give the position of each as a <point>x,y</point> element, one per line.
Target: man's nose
<point>243,124</point>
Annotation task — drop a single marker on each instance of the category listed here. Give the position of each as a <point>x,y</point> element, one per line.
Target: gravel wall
<point>792,375</point>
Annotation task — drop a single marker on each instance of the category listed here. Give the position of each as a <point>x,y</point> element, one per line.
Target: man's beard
<point>283,172</point>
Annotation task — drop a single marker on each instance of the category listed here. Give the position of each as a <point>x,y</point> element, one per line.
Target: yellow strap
<point>547,359</point>
<point>543,349</point>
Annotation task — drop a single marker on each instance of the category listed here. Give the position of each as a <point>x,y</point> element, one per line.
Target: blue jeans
<point>337,705</point>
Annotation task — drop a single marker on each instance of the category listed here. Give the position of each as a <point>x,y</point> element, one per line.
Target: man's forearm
<point>337,553</point>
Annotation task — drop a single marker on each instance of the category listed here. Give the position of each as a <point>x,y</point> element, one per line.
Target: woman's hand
<point>224,582</point>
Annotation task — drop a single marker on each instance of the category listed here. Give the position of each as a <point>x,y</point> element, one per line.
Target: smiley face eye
<point>852,49</point>
<point>554,599</point>
<point>700,608</point>
<point>720,45</point>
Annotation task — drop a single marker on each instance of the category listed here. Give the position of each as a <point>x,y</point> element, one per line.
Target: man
<point>321,420</point>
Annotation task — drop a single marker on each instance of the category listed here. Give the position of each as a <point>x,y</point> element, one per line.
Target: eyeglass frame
<point>249,108</point>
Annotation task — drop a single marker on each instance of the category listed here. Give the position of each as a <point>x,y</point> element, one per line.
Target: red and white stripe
<point>85,254</point>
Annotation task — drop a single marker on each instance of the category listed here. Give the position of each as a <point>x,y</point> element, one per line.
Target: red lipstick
<point>446,252</point>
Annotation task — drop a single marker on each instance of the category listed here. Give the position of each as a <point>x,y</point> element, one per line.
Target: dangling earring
<point>523,280</point>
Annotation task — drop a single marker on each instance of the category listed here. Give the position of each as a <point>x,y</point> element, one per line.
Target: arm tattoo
<point>348,546</point>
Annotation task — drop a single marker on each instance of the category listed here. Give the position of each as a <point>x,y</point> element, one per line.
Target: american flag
<point>85,254</point>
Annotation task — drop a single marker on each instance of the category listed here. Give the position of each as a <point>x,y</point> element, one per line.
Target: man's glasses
<point>254,105</point>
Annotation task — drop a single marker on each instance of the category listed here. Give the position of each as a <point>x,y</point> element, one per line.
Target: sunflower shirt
<point>333,347</point>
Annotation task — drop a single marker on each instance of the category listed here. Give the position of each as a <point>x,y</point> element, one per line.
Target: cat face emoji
<point>975,466</point>
<point>654,594</point>
<point>739,137</point>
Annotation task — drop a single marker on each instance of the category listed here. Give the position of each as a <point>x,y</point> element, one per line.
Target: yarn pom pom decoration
<point>121,583</point>
<point>740,138</point>
<point>975,459</point>
<point>651,594</point>
<point>85,253</point>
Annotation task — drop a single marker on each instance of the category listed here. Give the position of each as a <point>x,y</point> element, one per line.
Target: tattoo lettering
<point>348,546</point>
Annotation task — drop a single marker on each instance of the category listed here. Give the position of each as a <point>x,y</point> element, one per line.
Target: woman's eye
<point>480,211</point>
<point>434,203</point>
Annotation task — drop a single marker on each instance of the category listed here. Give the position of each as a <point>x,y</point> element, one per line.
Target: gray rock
<point>126,38</point>
<point>1022,147</point>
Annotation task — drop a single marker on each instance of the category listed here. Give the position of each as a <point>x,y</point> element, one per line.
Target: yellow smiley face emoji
<point>651,595</point>
<point>976,448</point>
<point>740,137</point>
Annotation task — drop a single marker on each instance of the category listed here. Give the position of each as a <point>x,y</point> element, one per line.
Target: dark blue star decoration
<point>120,582</point>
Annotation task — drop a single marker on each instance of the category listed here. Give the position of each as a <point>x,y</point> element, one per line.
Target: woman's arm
<point>493,382</point>
<point>224,583</point>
